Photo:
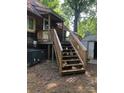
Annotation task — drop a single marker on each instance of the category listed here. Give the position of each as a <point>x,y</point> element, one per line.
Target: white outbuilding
<point>90,42</point>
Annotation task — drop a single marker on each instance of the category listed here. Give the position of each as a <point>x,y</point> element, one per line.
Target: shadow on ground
<point>45,78</point>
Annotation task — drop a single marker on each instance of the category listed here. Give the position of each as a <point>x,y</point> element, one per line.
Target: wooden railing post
<point>57,47</point>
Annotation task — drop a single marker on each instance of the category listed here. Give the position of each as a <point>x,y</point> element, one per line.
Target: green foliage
<point>80,5</point>
<point>77,7</point>
<point>67,14</point>
<point>87,25</point>
<point>53,4</point>
<point>68,9</point>
<point>58,8</point>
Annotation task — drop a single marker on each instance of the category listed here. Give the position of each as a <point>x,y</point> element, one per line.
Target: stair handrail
<point>56,36</point>
<point>79,48</point>
<point>57,46</point>
<point>79,42</point>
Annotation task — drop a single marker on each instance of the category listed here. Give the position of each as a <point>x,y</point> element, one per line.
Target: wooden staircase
<point>70,61</point>
<point>71,56</point>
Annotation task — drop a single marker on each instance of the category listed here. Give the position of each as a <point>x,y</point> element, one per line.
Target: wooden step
<point>64,52</point>
<point>68,50</point>
<point>73,70</point>
<point>65,60</point>
<point>71,56</point>
<point>67,65</point>
<point>67,42</point>
<point>69,53</point>
<point>67,46</point>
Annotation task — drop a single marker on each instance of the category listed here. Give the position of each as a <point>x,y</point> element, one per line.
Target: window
<point>31,24</point>
<point>45,24</point>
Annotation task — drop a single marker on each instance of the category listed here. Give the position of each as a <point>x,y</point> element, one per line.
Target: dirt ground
<point>45,78</point>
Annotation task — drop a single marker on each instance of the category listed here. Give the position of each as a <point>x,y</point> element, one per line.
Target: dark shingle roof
<point>31,8</point>
<point>39,9</point>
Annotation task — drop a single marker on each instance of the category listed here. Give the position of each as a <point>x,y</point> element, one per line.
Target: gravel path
<point>45,78</point>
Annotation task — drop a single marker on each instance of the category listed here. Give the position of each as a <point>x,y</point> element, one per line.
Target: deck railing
<point>43,36</point>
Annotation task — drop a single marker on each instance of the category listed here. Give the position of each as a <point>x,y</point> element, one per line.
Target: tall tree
<point>88,22</point>
<point>87,25</point>
<point>79,6</point>
<point>53,4</point>
<point>67,13</point>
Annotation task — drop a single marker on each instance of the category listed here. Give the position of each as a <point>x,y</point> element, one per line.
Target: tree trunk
<point>76,20</point>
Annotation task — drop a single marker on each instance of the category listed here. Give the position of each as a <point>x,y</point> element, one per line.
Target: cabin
<point>40,19</point>
<point>47,40</point>
<point>90,42</point>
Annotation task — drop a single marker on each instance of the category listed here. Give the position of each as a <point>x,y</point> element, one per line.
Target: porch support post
<point>43,24</point>
<point>52,54</point>
<point>62,31</point>
<point>49,19</point>
<point>48,51</point>
<point>49,22</point>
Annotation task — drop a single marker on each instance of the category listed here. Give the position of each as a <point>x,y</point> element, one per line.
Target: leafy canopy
<point>79,6</point>
<point>58,8</point>
<point>70,8</point>
<point>53,4</point>
<point>87,25</point>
